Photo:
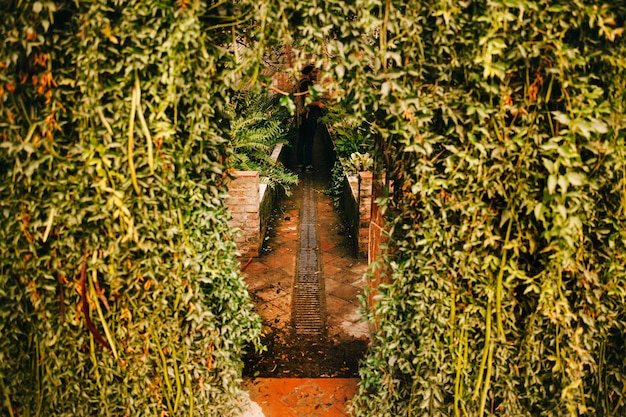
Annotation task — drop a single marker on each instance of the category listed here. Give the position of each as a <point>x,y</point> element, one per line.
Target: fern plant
<point>257,126</point>
<point>351,134</point>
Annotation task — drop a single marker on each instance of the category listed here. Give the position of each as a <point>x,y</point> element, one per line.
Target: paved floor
<point>303,397</point>
<point>307,374</point>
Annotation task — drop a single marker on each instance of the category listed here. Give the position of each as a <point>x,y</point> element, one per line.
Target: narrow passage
<point>306,283</point>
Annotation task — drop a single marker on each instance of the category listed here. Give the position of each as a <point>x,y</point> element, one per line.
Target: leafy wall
<point>120,292</point>
<point>500,124</point>
<point>501,129</point>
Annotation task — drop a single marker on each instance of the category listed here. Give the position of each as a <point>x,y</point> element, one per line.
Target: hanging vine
<point>120,285</point>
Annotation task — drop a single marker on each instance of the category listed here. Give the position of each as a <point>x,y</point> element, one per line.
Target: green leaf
<point>288,103</point>
<point>561,118</point>
<point>575,178</point>
<point>552,182</point>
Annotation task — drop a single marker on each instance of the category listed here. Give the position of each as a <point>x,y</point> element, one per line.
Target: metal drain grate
<point>307,313</point>
<point>307,295</point>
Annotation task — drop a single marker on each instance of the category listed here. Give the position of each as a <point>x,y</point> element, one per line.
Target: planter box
<point>356,201</point>
<point>250,203</point>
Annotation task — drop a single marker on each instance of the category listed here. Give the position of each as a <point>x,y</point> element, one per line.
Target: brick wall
<point>350,204</point>
<point>283,81</point>
<point>250,203</point>
<point>244,204</point>
<point>378,272</point>
<point>356,203</point>
<point>365,212</point>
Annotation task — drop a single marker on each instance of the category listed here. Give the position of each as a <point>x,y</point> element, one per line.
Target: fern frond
<point>257,125</point>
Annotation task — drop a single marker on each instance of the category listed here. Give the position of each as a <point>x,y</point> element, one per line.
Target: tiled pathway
<point>307,397</point>
<point>325,378</point>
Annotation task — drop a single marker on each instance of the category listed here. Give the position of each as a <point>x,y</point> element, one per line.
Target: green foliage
<point>352,141</point>
<point>336,186</point>
<point>501,126</point>
<point>120,292</point>
<point>257,126</point>
<point>350,134</point>
<point>359,162</point>
<point>498,123</point>
<point>356,163</point>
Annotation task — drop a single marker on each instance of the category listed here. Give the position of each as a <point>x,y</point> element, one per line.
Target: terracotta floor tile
<point>269,311</point>
<point>339,252</point>
<point>283,302</point>
<point>270,292</point>
<point>331,270</point>
<point>290,209</point>
<point>358,282</point>
<point>326,245</point>
<point>270,248</point>
<point>285,250</point>
<point>290,234</point>
<point>309,400</point>
<point>279,386</point>
<point>330,285</point>
<point>334,305</point>
<point>255,266</point>
<point>341,388</point>
<point>274,408</point>
<point>359,268</point>
<point>282,261</point>
<point>255,283</point>
<point>351,314</point>
<point>338,259</point>
<point>359,330</point>
<point>347,277</point>
<point>335,411</point>
<point>278,277</point>
<point>346,292</point>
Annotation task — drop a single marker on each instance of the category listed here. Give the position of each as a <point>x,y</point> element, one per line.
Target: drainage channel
<point>308,302</point>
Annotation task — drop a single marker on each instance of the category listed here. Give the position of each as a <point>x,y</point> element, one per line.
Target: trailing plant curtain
<point>501,126</point>
<point>501,129</point>
<point>120,292</point>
